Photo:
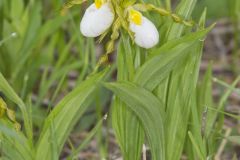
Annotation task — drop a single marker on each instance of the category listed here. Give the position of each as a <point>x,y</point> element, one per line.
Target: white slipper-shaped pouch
<point>145,33</point>
<point>96,20</point>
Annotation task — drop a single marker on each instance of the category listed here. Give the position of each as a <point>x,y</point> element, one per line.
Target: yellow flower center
<point>98,3</point>
<point>135,17</point>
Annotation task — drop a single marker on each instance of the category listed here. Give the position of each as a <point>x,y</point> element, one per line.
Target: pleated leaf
<point>146,106</point>
<point>165,59</point>
<point>128,130</point>
<point>65,115</point>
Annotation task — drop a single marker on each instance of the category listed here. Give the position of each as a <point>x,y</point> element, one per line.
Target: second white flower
<point>146,34</point>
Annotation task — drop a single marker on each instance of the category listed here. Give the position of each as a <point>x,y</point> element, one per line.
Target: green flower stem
<point>163,12</point>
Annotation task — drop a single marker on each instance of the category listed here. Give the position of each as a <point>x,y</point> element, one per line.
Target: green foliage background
<point>157,97</point>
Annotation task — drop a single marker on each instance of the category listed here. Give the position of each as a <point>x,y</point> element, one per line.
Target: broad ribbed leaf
<point>165,59</point>
<point>149,111</point>
<point>128,130</point>
<point>65,115</point>
<point>181,101</point>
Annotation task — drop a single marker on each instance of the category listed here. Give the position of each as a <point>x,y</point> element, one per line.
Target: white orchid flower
<point>97,19</point>
<point>145,33</point>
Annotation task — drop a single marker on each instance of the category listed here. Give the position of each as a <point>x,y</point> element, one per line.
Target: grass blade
<point>10,93</point>
<point>66,114</point>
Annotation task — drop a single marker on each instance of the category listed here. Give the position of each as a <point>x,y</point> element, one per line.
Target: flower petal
<point>146,34</point>
<point>96,21</point>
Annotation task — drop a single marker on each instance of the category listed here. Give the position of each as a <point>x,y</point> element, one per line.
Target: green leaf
<point>90,135</point>
<point>195,145</point>
<point>29,39</point>
<point>149,110</point>
<point>184,9</point>
<point>13,143</point>
<point>66,114</point>
<point>213,117</point>
<point>165,59</point>
<point>181,98</point>
<point>10,93</point>
<point>128,130</point>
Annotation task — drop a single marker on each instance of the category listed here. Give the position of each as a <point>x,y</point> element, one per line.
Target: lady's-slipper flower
<point>121,14</point>
<point>145,33</point>
<point>97,19</point>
